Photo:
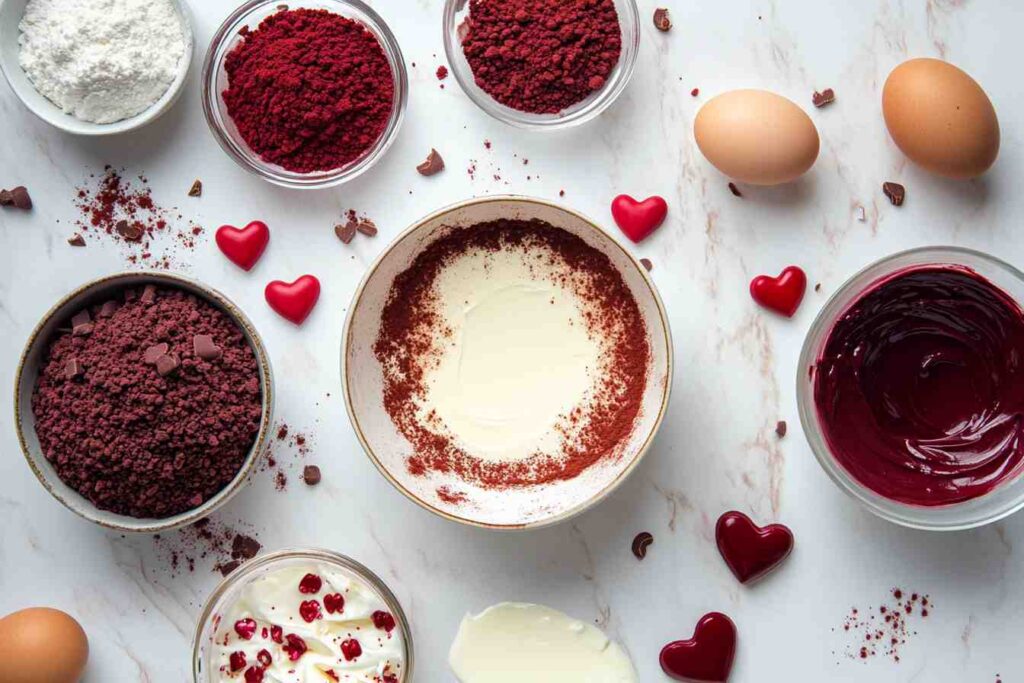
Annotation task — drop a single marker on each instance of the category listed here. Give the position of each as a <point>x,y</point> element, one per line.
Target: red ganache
<point>920,386</point>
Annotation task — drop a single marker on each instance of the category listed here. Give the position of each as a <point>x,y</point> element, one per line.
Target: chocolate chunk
<point>76,240</point>
<point>735,190</point>
<point>817,287</point>
<point>155,353</point>
<point>646,262</point>
<point>346,232</point>
<point>311,475</point>
<point>244,547</point>
<point>148,294</point>
<point>781,428</point>
<point>895,192</point>
<point>197,189</point>
<point>17,197</point>
<point>166,364</point>
<point>662,22</point>
<point>826,96</point>
<point>73,368</point>
<point>81,324</point>
<point>433,164</point>
<point>226,568</point>
<point>367,227</point>
<point>108,309</point>
<point>641,543</point>
<point>203,346</point>
<point>130,231</point>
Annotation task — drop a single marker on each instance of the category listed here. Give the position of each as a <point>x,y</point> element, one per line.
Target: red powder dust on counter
<point>409,344</point>
<point>542,56</point>
<point>309,90</point>
<point>882,631</point>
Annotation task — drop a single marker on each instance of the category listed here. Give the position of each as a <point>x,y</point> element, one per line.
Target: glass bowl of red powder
<point>305,95</point>
<point>143,401</point>
<point>542,64</point>
<point>910,388</point>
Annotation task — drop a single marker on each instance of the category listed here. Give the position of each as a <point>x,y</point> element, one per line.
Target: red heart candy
<point>705,658</point>
<point>781,294</point>
<point>638,219</point>
<point>243,246</point>
<point>293,301</point>
<point>749,550</point>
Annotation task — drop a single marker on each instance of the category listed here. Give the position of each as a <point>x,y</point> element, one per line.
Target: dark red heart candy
<point>243,246</point>
<point>781,294</point>
<point>293,301</point>
<point>751,551</point>
<point>707,656</point>
<point>638,219</point>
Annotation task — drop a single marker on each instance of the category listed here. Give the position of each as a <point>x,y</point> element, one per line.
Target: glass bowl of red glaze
<point>910,388</point>
<point>302,615</point>
<point>305,123</point>
<point>532,72</point>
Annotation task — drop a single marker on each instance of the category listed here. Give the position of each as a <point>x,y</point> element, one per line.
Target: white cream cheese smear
<point>518,358</point>
<point>515,642</point>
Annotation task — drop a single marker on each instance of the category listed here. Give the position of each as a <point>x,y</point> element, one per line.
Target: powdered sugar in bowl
<point>49,60</point>
<point>321,119</point>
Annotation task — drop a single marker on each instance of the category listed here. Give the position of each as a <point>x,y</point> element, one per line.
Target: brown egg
<point>42,645</point>
<point>756,137</point>
<point>941,118</point>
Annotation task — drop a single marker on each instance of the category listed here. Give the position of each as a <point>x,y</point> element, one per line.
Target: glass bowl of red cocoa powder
<point>143,401</point>
<point>309,120</point>
<point>542,64</point>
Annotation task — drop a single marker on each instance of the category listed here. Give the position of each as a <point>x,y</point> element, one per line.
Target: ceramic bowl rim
<point>640,452</point>
<point>124,523</point>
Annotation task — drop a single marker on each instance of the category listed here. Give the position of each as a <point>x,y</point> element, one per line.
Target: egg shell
<point>941,118</point>
<point>42,645</point>
<point>756,137</point>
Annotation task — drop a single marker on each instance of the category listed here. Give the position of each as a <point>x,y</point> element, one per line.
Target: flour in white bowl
<point>102,60</point>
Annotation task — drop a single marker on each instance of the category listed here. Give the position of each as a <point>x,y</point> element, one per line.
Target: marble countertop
<point>735,370</point>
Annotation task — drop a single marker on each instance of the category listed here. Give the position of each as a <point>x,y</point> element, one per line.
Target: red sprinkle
<point>295,647</point>
<point>245,628</point>
<point>237,661</point>
<point>334,602</point>
<point>309,610</point>
<point>351,649</point>
<point>310,584</point>
<point>254,674</point>
<point>264,658</point>
<point>277,634</point>
<point>383,620</point>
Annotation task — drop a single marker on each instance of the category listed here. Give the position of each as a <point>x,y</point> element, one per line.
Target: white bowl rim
<point>640,452</point>
<point>125,523</point>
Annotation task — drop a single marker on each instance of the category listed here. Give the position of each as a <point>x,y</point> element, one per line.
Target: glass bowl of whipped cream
<point>303,615</point>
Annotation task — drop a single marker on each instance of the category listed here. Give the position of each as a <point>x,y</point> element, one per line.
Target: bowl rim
<point>543,122</point>
<point>51,114</point>
<point>210,96</point>
<point>890,510</point>
<point>124,523</point>
<point>648,439</point>
<point>314,554</point>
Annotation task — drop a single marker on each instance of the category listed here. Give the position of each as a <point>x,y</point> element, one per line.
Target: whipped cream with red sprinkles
<point>307,623</point>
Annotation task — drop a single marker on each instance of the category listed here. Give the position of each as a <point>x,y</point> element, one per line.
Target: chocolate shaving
<point>129,231</point>
<point>640,544</point>
<point>817,287</point>
<point>895,192</point>
<point>81,324</point>
<point>367,227</point>
<point>662,22</point>
<point>76,240</point>
<point>646,262</point>
<point>433,164</point>
<point>226,568</point>
<point>108,309</point>
<point>244,547</point>
<point>148,294</point>
<point>197,189</point>
<point>203,346</point>
<point>781,428</point>
<point>735,190</point>
<point>346,233</point>
<point>17,197</point>
<point>73,369</point>
<point>155,353</point>
<point>826,96</point>
<point>311,475</point>
<point>166,364</point>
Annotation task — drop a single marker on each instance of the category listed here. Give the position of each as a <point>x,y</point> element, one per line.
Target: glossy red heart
<point>781,294</point>
<point>243,246</point>
<point>705,658</point>
<point>638,219</point>
<point>293,301</point>
<point>751,551</point>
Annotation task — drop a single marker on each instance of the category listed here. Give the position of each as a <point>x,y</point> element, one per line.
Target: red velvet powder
<point>131,439</point>
<point>541,56</point>
<point>412,332</point>
<point>309,90</point>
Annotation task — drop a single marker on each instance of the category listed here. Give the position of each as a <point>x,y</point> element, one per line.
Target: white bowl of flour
<point>96,67</point>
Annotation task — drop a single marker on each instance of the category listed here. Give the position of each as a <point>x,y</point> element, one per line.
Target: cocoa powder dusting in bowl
<point>129,438</point>
<point>411,325</point>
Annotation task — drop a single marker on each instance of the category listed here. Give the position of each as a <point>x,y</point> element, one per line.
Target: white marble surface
<point>735,364</point>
